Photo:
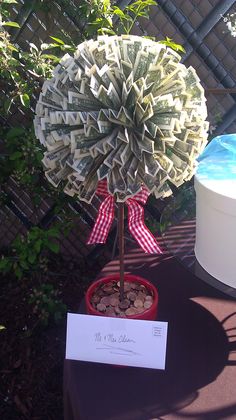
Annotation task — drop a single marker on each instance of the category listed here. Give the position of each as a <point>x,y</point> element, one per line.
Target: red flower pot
<point>148,314</point>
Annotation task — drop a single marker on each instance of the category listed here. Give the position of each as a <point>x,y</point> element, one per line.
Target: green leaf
<point>24,264</point>
<point>58,40</point>
<point>54,247</point>
<point>18,272</point>
<point>7,104</point>
<point>51,56</point>
<point>25,100</point>
<point>2,327</point>
<point>169,43</point>
<point>12,24</point>
<point>5,264</point>
<point>117,11</point>
<point>54,232</point>
<point>15,132</point>
<point>39,156</point>
<point>32,258</point>
<point>37,245</point>
<point>12,47</point>
<point>16,155</point>
<point>106,31</point>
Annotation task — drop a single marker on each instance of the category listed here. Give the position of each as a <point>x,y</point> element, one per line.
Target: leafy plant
<point>28,253</point>
<point>131,13</point>
<point>46,304</point>
<point>169,43</point>
<point>4,13</point>
<point>21,72</point>
<point>104,18</point>
<point>22,157</point>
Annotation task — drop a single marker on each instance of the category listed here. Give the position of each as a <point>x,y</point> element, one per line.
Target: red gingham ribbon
<point>136,223</point>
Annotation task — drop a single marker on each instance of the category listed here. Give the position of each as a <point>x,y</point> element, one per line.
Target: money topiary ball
<point>122,109</point>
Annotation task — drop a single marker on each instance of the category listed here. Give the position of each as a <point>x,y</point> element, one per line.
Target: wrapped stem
<point>121,246</point>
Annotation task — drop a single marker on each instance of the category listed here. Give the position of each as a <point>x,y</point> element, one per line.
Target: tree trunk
<point>121,246</point>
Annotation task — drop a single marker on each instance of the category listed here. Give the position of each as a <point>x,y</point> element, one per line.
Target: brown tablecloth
<point>199,381</point>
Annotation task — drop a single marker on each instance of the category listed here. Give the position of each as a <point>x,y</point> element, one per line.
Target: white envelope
<point>117,341</point>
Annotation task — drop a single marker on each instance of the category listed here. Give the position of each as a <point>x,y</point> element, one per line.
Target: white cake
<point>215,246</point>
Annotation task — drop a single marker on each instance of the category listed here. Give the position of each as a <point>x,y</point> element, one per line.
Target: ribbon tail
<point>103,222</point>
<point>139,230</point>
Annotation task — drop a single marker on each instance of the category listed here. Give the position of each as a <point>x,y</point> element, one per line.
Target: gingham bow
<point>136,223</point>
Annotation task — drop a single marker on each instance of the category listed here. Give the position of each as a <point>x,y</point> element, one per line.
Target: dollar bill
<point>89,188</point>
<point>152,129</point>
<point>81,152</point>
<point>121,117</point>
<point>110,160</point>
<point>116,183</point>
<point>69,189</point>
<point>50,99</point>
<point>51,159</point>
<point>108,77</point>
<point>103,171</point>
<point>132,187</point>
<point>134,145</point>
<point>56,175</point>
<point>113,96</point>
<point>151,165</point>
<point>131,168</point>
<point>164,161</point>
<point>145,143</point>
<point>82,167</point>
<point>79,102</point>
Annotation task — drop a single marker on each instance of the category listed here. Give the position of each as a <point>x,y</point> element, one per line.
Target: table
<point>200,377</point>
<point>178,225</point>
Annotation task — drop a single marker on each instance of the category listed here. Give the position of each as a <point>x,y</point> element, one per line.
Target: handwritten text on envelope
<point>116,341</point>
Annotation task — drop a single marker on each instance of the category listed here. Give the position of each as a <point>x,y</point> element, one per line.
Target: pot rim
<point>127,277</point>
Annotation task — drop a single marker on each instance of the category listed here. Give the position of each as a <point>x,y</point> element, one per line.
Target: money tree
<point>122,113</point>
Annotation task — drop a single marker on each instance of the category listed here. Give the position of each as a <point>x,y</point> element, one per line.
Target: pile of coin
<point>106,299</point>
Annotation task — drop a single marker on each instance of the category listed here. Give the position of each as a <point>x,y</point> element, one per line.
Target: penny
<point>124,304</point>
<point>109,284</point>
<point>114,301</point>
<point>130,311</point>
<point>127,287</point>
<point>117,309</point>
<point>147,304</point>
<point>115,295</point>
<point>149,297</point>
<point>138,303</point>
<point>101,307</point>
<point>139,310</point>
<point>141,296</point>
<point>108,289</point>
<point>132,296</point>
<point>95,299</point>
<point>110,312</point>
<point>105,300</point>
